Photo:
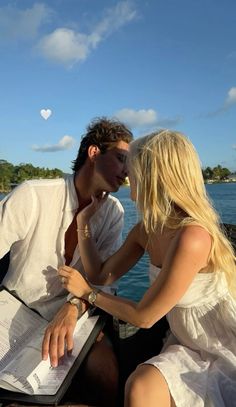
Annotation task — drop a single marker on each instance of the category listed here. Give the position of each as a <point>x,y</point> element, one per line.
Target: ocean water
<point>134,284</point>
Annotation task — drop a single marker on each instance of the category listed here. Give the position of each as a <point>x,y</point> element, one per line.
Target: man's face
<point>111,167</point>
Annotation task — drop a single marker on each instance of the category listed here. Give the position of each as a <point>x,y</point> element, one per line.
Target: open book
<point>21,334</point>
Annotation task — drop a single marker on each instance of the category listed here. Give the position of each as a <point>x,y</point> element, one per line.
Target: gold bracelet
<point>84,233</point>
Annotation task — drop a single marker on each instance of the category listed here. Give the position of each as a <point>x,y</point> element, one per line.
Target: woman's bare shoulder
<point>195,237</point>
<point>140,234</point>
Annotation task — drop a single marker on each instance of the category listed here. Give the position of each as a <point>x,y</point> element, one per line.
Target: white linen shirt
<point>33,220</point>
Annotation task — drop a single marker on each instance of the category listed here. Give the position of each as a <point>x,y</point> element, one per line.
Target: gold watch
<point>76,301</point>
<point>92,297</point>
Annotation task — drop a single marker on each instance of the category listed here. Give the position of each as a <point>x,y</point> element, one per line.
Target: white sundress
<point>199,361</point>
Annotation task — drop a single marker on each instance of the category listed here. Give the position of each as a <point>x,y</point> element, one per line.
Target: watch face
<point>74,300</point>
<point>92,297</point>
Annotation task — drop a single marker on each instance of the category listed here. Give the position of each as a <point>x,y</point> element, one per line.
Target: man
<point>38,225</point>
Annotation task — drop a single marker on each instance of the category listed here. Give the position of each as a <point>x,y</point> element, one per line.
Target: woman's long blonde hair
<point>168,176</point>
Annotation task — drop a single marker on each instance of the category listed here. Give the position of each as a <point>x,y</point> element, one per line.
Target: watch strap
<point>81,304</point>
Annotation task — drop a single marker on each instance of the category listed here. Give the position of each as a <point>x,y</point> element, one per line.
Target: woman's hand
<point>73,281</point>
<point>85,215</point>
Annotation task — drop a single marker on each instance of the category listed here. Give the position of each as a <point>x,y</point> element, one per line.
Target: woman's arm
<point>118,264</point>
<point>187,255</point>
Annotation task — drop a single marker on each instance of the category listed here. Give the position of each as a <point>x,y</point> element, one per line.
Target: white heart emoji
<point>45,113</point>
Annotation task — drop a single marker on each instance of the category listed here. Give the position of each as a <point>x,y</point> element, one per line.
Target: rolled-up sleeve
<point>16,211</point>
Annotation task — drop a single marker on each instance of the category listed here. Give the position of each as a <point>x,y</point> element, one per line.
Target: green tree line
<point>15,174</point>
<point>217,173</point>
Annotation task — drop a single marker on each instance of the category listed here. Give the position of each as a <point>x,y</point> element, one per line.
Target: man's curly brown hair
<point>102,132</point>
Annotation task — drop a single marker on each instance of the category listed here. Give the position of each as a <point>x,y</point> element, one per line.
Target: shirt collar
<point>71,203</point>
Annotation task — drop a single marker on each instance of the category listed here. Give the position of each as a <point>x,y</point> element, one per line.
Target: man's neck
<point>84,187</point>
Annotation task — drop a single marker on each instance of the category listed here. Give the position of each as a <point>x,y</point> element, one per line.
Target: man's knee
<point>102,358</point>
<point>101,372</point>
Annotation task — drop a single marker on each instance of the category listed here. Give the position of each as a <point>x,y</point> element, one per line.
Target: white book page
<point>21,335</point>
<point>27,359</point>
<point>18,324</point>
<point>47,380</point>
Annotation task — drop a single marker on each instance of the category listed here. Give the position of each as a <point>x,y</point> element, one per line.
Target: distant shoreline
<point>219,182</point>
<point>127,185</point>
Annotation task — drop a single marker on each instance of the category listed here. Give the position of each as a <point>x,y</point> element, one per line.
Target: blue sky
<point>150,63</point>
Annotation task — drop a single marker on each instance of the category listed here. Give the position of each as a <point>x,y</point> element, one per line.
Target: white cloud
<point>142,118</point>
<point>114,18</point>
<point>229,101</point>
<point>65,143</point>
<point>137,118</point>
<point>68,46</point>
<point>231,97</point>
<point>18,24</point>
<point>64,46</point>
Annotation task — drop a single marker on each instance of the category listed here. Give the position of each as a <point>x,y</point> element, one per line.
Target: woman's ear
<point>93,151</point>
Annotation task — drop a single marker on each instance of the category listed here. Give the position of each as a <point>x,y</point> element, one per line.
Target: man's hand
<point>59,334</point>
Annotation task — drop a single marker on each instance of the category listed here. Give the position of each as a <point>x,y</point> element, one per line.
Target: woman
<point>192,266</point>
